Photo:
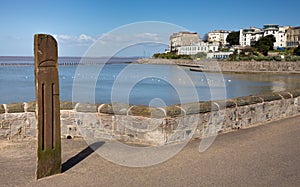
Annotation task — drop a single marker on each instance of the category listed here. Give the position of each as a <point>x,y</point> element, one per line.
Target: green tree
<point>265,44</point>
<point>205,37</point>
<point>297,51</point>
<point>199,55</point>
<point>233,38</point>
<point>170,56</point>
<point>234,56</point>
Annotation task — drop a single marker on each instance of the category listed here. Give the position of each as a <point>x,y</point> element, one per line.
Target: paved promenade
<point>267,155</point>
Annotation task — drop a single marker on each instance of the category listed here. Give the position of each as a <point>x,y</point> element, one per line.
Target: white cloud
<point>148,36</point>
<point>107,38</point>
<point>65,37</point>
<point>82,40</point>
<point>84,37</point>
<point>108,43</point>
<point>110,38</point>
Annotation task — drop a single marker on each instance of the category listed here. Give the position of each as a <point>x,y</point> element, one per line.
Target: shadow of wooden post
<point>47,105</point>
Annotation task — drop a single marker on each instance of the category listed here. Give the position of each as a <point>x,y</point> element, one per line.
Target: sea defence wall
<point>152,126</point>
<point>230,66</point>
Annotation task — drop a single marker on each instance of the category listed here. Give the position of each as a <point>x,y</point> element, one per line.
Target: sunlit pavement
<point>267,155</point>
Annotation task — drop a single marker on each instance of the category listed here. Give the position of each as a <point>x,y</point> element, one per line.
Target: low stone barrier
<point>230,66</point>
<point>153,126</point>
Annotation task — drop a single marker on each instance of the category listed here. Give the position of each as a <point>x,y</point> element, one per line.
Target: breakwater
<point>65,61</point>
<point>152,126</point>
<point>231,66</point>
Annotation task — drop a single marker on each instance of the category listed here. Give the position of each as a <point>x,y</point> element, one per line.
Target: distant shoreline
<point>60,64</point>
<point>68,61</point>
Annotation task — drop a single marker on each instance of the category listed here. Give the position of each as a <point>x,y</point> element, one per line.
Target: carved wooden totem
<point>48,105</point>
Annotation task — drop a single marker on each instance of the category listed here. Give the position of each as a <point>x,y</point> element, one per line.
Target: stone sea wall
<point>152,126</point>
<point>231,66</point>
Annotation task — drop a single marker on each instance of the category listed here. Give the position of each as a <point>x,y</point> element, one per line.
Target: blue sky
<point>77,24</point>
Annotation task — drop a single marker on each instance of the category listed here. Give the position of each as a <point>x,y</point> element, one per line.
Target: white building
<point>218,36</point>
<point>252,35</point>
<point>195,48</point>
<point>219,55</point>
<point>278,32</point>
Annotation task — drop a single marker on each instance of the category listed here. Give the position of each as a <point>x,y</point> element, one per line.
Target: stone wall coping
<point>295,93</point>
<point>2,109</point>
<point>15,108</point>
<point>145,111</point>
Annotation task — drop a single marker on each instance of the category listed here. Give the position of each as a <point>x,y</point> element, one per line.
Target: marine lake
<point>138,84</point>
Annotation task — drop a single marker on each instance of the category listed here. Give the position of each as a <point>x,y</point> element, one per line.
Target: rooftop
<point>219,31</point>
<point>271,27</point>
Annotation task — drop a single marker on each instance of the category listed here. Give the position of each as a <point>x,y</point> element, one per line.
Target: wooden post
<point>48,105</point>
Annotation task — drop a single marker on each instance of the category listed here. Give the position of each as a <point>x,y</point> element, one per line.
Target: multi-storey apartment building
<point>249,36</point>
<point>278,32</point>
<point>183,39</point>
<point>218,36</point>
<point>293,37</point>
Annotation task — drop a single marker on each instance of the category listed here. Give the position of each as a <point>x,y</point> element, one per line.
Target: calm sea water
<point>137,84</point>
